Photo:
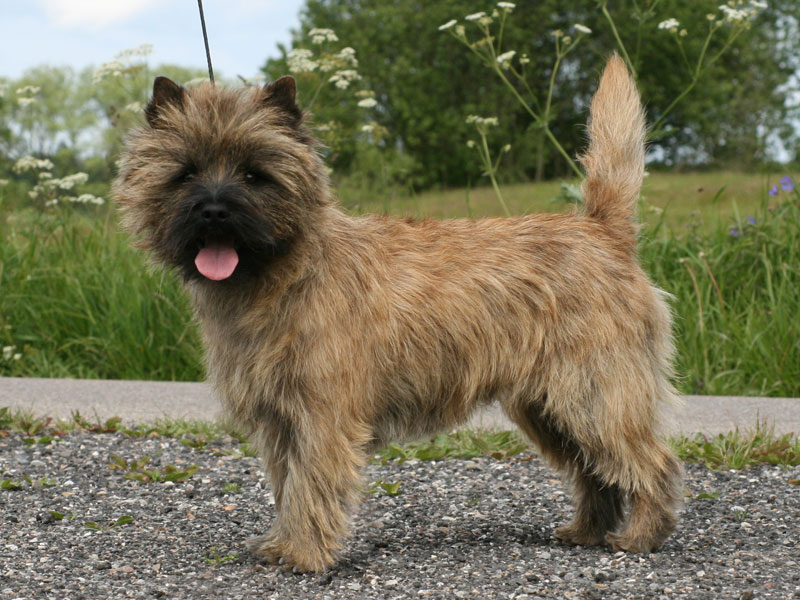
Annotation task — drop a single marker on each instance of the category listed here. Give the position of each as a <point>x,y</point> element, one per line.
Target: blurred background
<point>424,108</point>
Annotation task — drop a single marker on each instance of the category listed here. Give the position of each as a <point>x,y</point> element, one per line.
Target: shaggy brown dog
<point>329,336</point>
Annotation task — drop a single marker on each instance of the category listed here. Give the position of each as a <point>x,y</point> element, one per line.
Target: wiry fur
<point>369,330</point>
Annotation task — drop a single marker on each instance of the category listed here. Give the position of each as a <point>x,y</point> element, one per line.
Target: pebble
<point>476,528</point>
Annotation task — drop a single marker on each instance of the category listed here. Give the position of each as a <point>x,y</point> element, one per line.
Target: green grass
<point>76,301</point>
<point>684,198</point>
<point>733,450</point>
<point>740,449</point>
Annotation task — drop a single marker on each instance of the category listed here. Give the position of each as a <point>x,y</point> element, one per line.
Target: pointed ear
<point>281,93</point>
<point>165,92</point>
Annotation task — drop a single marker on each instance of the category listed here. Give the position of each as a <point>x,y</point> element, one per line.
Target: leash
<point>205,39</point>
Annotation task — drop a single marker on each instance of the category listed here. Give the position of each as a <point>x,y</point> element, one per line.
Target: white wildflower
<point>670,24</point>
<point>8,352</point>
<point>447,25</point>
<point>475,16</point>
<point>482,121</point>
<point>348,55</point>
<point>368,128</point>
<point>343,79</point>
<point>88,199</point>
<point>683,33</point>
<point>582,28</point>
<point>322,35</point>
<point>3,182</point>
<point>29,163</point>
<point>368,103</point>
<point>135,107</point>
<point>143,50</point>
<point>51,203</point>
<point>505,58</point>
<point>734,15</point>
<point>507,6</point>
<point>557,33</point>
<point>524,60</point>
<point>329,63</point>
<point>506,148</point>
<point>566,39</point>
<point>25,101</point>
<point>109,69</point>
<point>17,356</point>
<point>299,61</point>
<point>70,181</point>
<point>758,4</point>
<point>470,143</point>
<point>28,89</point>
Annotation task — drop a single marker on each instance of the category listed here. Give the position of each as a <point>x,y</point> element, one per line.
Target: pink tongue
<point>217,262</point>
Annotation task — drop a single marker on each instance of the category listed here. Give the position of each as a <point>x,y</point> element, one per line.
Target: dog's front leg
<point>319,483</point>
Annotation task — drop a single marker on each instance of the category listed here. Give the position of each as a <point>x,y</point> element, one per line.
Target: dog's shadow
<point>467,541</point>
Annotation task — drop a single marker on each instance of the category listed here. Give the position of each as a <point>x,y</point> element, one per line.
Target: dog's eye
<point>186,176</point>
<point>254,177</point>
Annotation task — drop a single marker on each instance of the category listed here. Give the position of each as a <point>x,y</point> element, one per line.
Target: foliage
<point>740,449</point>
<point>77,119</point>
<point>733,450</point>
<point>425,87</point>
<point>736,297</point>
<point>76,301</point>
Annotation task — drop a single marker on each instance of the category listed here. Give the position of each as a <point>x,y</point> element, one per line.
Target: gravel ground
<point>457,529</point>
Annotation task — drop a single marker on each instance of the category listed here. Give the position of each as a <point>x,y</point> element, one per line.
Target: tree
<point>426,84</point>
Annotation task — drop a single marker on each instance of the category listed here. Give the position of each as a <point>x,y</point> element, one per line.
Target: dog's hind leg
<point>598,505</point>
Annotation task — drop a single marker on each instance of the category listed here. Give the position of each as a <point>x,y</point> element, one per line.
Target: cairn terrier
<point>328,336</point>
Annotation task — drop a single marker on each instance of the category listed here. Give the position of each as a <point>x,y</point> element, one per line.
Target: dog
<point>328,336</point>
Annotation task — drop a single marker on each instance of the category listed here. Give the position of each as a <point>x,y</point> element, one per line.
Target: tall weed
<point>76,301</point>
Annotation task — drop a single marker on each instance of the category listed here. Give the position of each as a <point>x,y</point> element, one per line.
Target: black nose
<point>214,212</point>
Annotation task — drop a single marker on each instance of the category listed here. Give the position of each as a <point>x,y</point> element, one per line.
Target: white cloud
<point>93,14</point>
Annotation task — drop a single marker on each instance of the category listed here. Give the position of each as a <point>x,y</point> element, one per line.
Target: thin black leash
<point>205,39</point>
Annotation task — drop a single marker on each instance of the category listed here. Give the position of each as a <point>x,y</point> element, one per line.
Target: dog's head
<point>221,182</point>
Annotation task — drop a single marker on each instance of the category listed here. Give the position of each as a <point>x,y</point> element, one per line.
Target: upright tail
<point>614,162</point>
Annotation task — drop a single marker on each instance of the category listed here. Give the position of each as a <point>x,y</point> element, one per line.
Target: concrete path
<point>146,401</point>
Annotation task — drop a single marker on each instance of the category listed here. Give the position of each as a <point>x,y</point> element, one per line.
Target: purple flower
<point>751,220</point>
<point>787,183</point>
<point>735,232</point>
<point>773,191</point>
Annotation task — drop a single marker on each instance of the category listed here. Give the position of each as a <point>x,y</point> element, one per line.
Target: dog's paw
<point>265,548</point>
<point>269,549</point>
<point>626,543</point>
<point>573,535</point>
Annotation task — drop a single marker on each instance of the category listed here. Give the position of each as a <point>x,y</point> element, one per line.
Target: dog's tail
<point>614,162</point>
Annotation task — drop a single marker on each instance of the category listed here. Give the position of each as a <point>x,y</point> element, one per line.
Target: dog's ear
<point>281,93</point>
<point>165,93</point>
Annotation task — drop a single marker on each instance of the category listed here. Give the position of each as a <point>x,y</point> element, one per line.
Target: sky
<point>80,33</point>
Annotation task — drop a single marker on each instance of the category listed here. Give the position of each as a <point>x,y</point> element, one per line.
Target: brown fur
<point>369,330</point>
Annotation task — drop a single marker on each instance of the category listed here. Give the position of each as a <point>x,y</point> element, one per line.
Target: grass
<point>684,197</point>
<point>733,450</point>
<point>76,301</point>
